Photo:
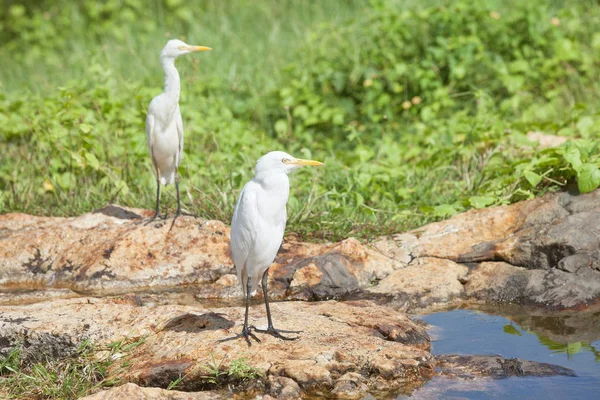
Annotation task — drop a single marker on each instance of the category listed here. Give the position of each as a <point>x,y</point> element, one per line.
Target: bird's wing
<point>179,123</point>
<point>244,227</point>
<point>150,135</point>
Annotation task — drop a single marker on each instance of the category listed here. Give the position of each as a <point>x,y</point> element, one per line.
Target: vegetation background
<point>420,109</point>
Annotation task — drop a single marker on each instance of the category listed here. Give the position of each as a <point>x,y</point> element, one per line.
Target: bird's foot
<point>177,214</point>
<point>277,333</point>
<point>246,333</point>
<point>153,218</point>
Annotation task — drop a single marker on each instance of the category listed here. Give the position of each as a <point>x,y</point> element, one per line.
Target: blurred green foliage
<point>419,110</point>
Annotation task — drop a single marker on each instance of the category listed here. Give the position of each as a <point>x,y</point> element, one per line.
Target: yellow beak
<point>194,48</point>
<point>310,163</point>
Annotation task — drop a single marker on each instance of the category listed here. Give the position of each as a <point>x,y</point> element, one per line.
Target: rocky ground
<point>356,337</point>
<point>543,252</point>
<point>343,347</point>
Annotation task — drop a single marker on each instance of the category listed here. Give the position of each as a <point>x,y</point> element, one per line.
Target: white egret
<point>164,126</point>
<point>257,229</point>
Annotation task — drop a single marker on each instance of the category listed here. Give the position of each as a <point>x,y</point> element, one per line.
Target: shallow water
<point>571,340</point>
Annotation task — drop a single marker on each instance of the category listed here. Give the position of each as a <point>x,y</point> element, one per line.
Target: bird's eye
<point>285,160</point>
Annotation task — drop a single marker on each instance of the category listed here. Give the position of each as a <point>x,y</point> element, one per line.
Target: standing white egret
<point>257,229</point>
<point>164,126</point>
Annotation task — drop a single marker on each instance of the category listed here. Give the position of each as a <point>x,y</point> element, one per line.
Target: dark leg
<point>246,332</point>
<point>157,212</point>
<point>178,212</point>
<point>270,329</point>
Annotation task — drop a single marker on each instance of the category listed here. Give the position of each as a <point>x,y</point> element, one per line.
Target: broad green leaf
<point>573,157</point>
<point>92,160</point>
<point>565,49</point>
<point>532,178</point>
<point>425,209</point>
<point>281,126</point>
<point>85,128</point>
<point>585,125</point>
<point>444,210</point>
<point>588,178</point>
<point>481,201</point>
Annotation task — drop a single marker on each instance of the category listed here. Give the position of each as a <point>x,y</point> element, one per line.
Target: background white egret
<point>164,126</point>
<point>257,229</point>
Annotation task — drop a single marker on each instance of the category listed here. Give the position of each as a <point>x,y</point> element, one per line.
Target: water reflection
<point>567,332</point>
<point>570,339</point>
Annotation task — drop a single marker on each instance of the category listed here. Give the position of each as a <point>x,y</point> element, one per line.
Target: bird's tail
<point>167,178</point>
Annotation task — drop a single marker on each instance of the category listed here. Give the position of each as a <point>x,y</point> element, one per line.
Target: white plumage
<point>164,133</point>
<point>164,126</point>
<point>259,222</point>
<point>258,225</point>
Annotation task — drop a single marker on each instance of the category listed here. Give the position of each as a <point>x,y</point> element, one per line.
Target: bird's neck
<point>172,84</point>
<point>277,182</point>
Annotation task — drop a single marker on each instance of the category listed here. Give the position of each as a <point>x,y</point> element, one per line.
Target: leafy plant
<point>239,369</point>
<point>214,371</point>
<point>67,378</point>
<point>420,110</point>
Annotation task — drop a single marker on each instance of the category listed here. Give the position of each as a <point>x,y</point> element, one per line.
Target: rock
<point>283,388</point>
<point>350,386</point>
<point>306,373</point>
<point>132,391</point>
<point>424,282</point>
<point>329,271</point>
<point>112,250</point>
<point>497,367</point>
<point>465,233</point>
<point>383,346</point>
<point>544,140</point>
<point>544,252</point>
<point>501,282</point>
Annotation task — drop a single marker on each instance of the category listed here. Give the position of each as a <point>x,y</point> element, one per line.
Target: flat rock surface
<point>344,346</point>
<point>543,252</point>
<point>131,391</point>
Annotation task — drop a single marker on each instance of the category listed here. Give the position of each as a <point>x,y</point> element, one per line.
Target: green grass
<point>419,109</point>
<point>68,378</point>
<point>213,374</point>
